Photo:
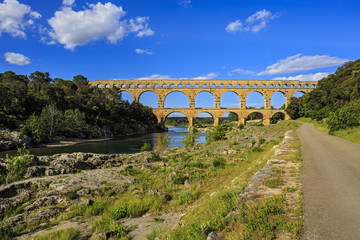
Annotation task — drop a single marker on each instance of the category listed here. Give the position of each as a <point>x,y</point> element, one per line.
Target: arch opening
<point>229,100</point>
<point>126,96</point>
<point>298,94</point>
<point>176,99</point>
<point>204,99</point>
<point>255,100</point>
<point>254,119</point>
<point>149,98</point>
<point>176,119</point>
<point>204,119</point>
<point>276,117</point>
<point>278,100</point>
<point>229,119</point>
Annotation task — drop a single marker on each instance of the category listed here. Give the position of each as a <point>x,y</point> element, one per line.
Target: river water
<point>120,145</point>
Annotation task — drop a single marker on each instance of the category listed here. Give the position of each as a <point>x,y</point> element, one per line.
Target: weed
<point>262,141</point>
<point>187,196</point>
<point>71,195</point>
<point>146,147</point>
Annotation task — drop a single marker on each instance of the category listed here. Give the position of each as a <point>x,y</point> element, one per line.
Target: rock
<point>34,171</point>
<point>12,140</point>
<point>231,151</point>
<point>42,202</point>
<point>46,214</point>
<point>187,183</point>
<point>212,236</point>
<point>172,176</point>
<point>86,202</point>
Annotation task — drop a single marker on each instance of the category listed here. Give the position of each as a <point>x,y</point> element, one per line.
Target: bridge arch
<point>149,98</point>
<point>204,118</point>
<point>202,100</point>
<point>229,99</point>
<point>255,99</point>
<point>126,96</point>
<point>229,117</point>
<point>176,99</point>
<point>254,118</point>
<point>278,100</point>
<point>276,117</point>
<point>298,94</point>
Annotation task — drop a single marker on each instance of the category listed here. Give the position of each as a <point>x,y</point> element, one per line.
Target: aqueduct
<point>191,88</point>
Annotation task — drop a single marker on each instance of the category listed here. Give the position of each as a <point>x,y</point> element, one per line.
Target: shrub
<point>253,142</point>
<point>261,141</point>
<point>16,166</point>
<point>190,139</point>
<point>146,147</point>
<point>218,133</point>
<point>187,196</point>
<point>348,116</point>
<point>219,162</point>
<point>71,195</point>
<point>257,149</point>
<point>118,230</point>
<point>155,157</point>
<point>241,126</point>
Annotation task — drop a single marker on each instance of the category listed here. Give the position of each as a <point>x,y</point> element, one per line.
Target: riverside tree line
<point>43,108</point>
<point>336,100</point>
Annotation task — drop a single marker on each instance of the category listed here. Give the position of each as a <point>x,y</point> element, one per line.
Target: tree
<point>52,120</point>
<point>190,139</point>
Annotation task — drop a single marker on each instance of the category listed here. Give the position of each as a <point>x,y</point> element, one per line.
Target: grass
<point>351,134</point>
<point>274,181</point>
<point>212,190</point>
<point>63,234</point>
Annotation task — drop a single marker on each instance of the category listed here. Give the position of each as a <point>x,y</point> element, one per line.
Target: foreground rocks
<point>12,140</point>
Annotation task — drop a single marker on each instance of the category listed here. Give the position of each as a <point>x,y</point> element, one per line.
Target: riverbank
<point>172,194</point>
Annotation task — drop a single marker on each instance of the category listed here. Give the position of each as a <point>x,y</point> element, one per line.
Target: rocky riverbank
<point>143,195</point>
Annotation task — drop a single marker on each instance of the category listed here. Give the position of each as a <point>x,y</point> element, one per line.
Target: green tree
<point>217,133</point>
<point>190,138</point>
<point>52,120</point>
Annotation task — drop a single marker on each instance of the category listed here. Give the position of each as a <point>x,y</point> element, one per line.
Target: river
<point>119,145</point>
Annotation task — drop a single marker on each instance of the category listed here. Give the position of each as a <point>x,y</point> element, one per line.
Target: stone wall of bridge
<point>191,88</point>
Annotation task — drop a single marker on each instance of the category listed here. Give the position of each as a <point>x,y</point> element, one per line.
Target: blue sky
<point>206,39</point>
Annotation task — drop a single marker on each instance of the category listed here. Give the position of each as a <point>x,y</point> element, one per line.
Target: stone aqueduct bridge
<point>217,88</point>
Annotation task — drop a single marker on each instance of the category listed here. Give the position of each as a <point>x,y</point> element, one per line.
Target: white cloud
<point>143,51</point>
<point>156,76</point>
<point>253,23</point>
<point>208,76</point>
<point>241,72</point>
<point>305,77</point>
<point>185,3</point>
<point>298,63</point>
<point>98,21</point>
<point>12,17</point>
<point>16,58</point>
<point>68,2</point>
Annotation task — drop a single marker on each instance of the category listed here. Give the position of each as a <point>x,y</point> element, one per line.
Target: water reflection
<point>122,145</point>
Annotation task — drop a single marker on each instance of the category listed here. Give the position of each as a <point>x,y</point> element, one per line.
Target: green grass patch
<point>274,181</point>
<point>63,234</point>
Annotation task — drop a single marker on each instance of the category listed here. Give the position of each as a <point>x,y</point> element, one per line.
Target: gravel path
<point>331,185</point>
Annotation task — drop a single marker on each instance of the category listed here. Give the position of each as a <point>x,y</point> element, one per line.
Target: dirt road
<point>331,185</point>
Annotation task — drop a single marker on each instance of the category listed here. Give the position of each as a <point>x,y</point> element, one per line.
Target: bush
<point>146,147</point>
<point>241,126</point>
<point>257,149</point>
<point>16,166</point>
<point>345,117</point>
<point>219,162</point>
<point>218,133</point>
<point>190,139</point>
<point>261,141</point>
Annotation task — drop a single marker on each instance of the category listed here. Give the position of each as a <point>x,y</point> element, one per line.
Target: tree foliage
<point>335,98</point>
<point>49,107</point>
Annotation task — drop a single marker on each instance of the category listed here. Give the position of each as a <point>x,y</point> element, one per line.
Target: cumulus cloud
<point>143,51</point>
<point>16,58</point>
<point>305,77</point>
<point>211,75</point>
<point>68,2</point>
<point>253,23</point>
<point>241,72</point>
<point>298,63</point>
<point>13,18</point>
<point>156,76</point>
<point>98,21</point>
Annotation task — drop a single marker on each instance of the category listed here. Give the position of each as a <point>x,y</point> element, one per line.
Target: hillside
<point>336,99</point>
